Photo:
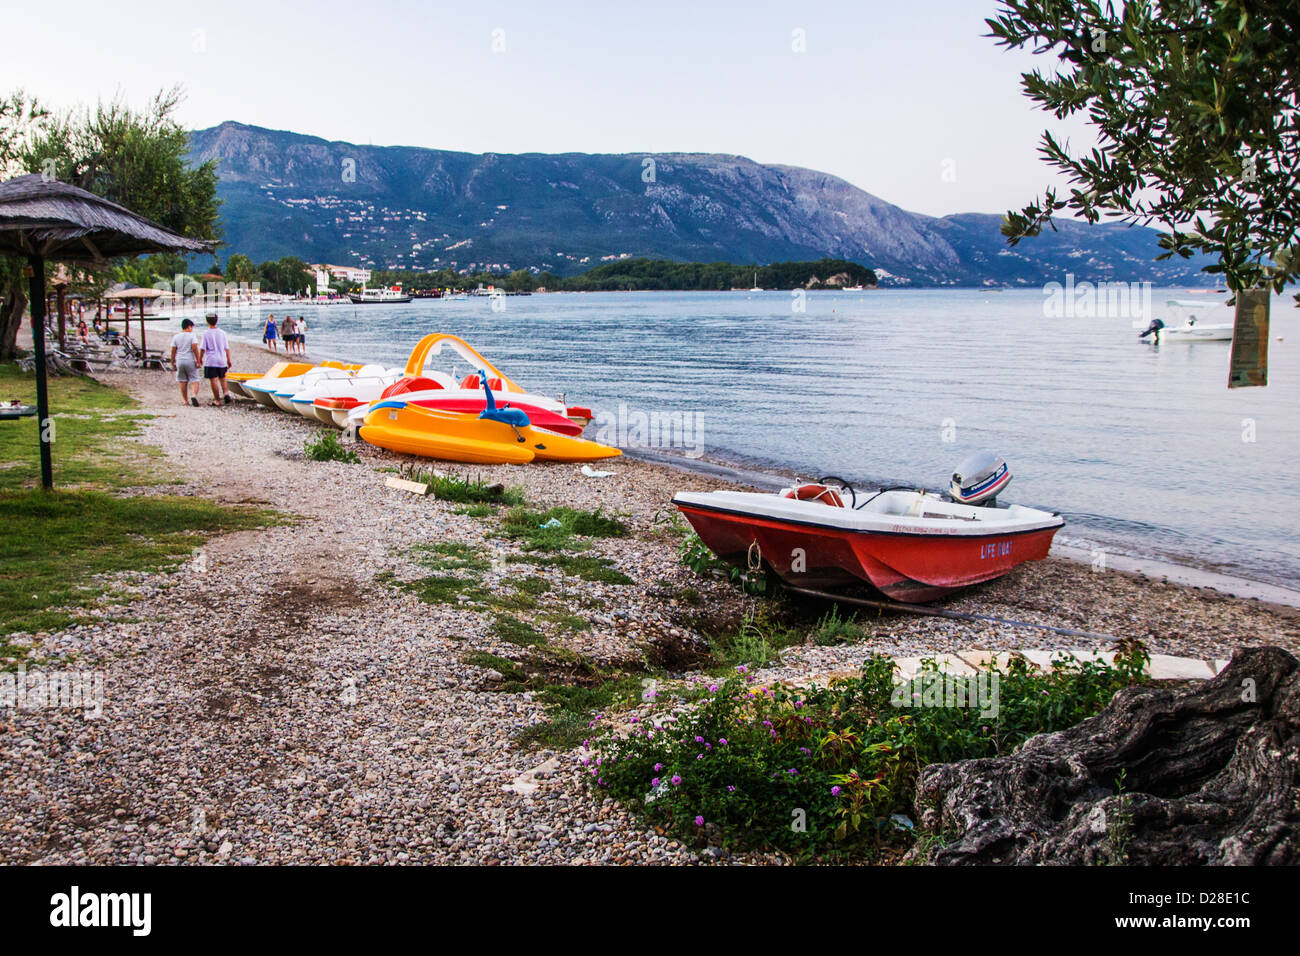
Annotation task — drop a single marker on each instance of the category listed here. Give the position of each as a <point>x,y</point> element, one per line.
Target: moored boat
<point>912,546</point>
<point>1192,328</point>
<point>373,296</point>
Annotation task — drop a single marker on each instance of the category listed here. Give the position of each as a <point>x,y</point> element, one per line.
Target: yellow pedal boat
<point>453,436</point>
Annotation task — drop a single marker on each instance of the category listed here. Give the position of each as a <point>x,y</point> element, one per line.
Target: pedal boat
<point>265,389</point>
<point>334,409</point>
<point>366,384</point>
<point>401,426</point>
<point>911,546</point>
<point>437,390</point>
<point>236,381</point>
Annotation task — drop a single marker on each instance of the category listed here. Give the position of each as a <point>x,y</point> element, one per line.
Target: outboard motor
<point>1153,329</point>
<point>979,478</point>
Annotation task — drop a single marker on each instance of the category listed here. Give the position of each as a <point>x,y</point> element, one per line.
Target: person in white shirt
<point>214,353</point>
<point>185,362</point>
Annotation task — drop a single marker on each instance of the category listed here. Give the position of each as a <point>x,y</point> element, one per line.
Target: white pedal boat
<point>264,390</point>
<point>366,385</point>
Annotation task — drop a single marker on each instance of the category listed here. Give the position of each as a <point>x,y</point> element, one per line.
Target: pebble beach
<point>281,699</point>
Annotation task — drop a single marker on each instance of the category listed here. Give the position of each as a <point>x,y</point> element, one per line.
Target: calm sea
<point>1144,450</point>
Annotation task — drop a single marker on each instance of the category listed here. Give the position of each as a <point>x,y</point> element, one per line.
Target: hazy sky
<point>887,94</point>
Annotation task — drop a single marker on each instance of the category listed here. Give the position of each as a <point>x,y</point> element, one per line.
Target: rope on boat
<point>952,615</point>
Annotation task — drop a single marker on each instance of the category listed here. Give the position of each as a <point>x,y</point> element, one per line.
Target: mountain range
<point>403,207</point>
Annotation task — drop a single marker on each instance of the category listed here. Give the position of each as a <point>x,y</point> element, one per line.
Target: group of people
<point>209,352</point>
<point>292,331</point>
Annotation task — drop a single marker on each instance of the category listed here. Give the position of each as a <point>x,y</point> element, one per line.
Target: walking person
<point>268,336</point>
<point>302,335</point>
<point>286,332</point>
<point>214,353</point>
<point>185,362</point>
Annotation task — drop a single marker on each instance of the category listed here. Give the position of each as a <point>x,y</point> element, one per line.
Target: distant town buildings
<point>342,273</point>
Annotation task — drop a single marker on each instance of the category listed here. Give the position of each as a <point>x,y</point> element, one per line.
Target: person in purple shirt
<point>214,353</point>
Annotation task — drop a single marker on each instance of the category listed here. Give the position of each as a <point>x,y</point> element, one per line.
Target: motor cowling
<point>979,478</point>
<point>1153,329</point>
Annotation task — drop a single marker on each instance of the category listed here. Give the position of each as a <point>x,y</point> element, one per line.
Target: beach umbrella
<point>42,219</point>
<point>142,296</point>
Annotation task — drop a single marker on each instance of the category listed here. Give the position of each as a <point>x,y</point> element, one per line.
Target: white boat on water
<point>370,296</point>
<point>1192,328</point>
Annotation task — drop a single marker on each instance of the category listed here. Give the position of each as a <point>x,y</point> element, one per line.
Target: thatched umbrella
<point>44,219</point>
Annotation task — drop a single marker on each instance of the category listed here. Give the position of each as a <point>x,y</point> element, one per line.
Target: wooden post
<point>43,423</point>
<point>58,294</point>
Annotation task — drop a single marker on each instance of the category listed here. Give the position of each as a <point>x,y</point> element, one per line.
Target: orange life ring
<point>822,493</point>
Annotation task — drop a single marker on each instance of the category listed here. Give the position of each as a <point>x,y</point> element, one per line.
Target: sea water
<point>1144,449</point>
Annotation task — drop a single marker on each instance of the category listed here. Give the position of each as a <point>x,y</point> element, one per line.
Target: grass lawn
<point>55,547</point>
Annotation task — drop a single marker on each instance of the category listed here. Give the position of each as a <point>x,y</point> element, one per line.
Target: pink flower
<point>655,782</point>
<point>835,791</point>
<point>699,821</point>
<point>676,780</point>
<point>722,741</point>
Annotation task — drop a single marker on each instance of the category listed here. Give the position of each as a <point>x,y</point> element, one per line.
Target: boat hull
<point>914,568</point>
<point>1195,333</point>
<point>540,417</point>
<point>391,300</point>
<point>450,436</point>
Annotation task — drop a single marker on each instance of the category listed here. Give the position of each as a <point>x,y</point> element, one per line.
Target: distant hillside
<point>410,208</point>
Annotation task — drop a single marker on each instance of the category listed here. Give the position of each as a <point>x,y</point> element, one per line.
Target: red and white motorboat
<point>912,546</point>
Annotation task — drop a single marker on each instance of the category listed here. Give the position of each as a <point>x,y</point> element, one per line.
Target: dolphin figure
<point>515,417</point>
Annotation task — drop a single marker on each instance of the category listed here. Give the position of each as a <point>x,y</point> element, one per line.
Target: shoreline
<point>1143,566</point>
<point>306,691</point>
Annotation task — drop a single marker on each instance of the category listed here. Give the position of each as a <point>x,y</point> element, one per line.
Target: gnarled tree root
<point>1211,775</point>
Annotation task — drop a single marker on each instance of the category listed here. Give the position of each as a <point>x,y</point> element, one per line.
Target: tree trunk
<point>1210,775</point>
<point>12,305</point>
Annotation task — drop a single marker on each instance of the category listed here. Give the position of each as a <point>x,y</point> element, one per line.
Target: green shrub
<point>467,491</point>
<point>695,554</point>
<point>823,771</point>
<point>554,530</point>
<point>833,629</point>
<point>326,447</point>
<point>757,642</point>
<point>586,567</point>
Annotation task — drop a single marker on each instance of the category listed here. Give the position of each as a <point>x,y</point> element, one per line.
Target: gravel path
<point>273,702</point>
